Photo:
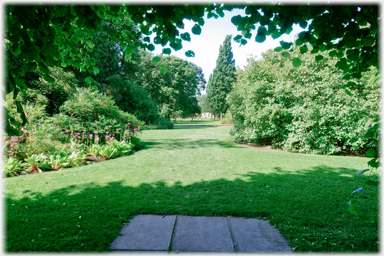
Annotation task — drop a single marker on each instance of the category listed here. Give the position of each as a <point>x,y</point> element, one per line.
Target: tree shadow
<point>306,206</point>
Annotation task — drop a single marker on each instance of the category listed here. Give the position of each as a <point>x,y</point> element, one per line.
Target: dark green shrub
<point>303,108</point>
<point>159,124</point>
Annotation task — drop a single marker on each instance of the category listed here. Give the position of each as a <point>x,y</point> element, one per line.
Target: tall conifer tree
<point>220,82</point>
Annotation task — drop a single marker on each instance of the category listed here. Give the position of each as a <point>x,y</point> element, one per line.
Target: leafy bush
<point>226,121</point>
<point>37,162</point>
<point>13,167</point>
<point>159,124</point>
<point>89,121</point>
<point>303,108</point>
<point>89,105</point>
<point>142,105</point>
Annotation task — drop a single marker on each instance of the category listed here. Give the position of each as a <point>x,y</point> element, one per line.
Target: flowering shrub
<point>90,124</point>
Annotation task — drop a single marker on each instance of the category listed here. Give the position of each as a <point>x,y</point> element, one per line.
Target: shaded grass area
<point>194,172</point>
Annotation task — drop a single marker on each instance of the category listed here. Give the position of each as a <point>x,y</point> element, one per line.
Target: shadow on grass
<point>171,144</point>
<point>308,207</point>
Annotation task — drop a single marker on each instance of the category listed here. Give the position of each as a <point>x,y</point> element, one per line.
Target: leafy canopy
<point>45,35</point>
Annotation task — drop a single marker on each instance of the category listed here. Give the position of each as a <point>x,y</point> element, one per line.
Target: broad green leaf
<point>185,36</point>
<point>89,80</point>
<point>303,24</point>
<point>315,50</point>
<point>260,37</point>
<point>286,54</point>
<point>43,68</point>
<point>48,78</point>
<point>200,21</point>
<point>176,45</point>
<point>348,92</point>
<point>278,49</point>
<point>276,34</point>
<point>333,53</point>
<point>371,152</point>
<point>353,54</point>
<point>190,53</point>
<point>236,20</point>
<point>319,58</point>
<point>90,44</point>
<point>157,40</point>
<point>352,209</point>
<point>31,67</point>
<point>303,49</point>
<point>150,47</point>
<point>237,38</point>
<point>163,69</point>
<point>374,163</point>
<point>14,122</point>
<point>63,64</point>
<point>96,70</point>
<point>299,42</point>
<point>64,53</point>
<point>147,39</point>
<point>20,110</point>
<point>156,59</point>
<point>285,45</point>
<point>167,50</point>
<point>196,29</point>
<point>17,51</point>
<point>368,41</point>
<point>94,87</point>
<point>296,62</point>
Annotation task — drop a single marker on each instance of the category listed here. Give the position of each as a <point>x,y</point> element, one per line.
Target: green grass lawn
<point>194,172</point>
<point>203,122</point>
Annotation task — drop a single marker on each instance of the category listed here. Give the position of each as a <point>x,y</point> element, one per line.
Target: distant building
<point>207,115</point>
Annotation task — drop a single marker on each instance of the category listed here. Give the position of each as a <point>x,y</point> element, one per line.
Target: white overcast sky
<point>206,45</point>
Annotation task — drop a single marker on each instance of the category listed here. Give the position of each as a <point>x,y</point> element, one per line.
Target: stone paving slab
<point>202,234</point>
<point>146,233</point>
<point>254,235</point>
<point>190,234</point>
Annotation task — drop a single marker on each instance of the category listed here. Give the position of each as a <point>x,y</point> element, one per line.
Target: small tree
<point>220,82</point>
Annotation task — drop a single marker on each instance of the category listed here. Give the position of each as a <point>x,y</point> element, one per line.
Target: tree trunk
<point>221,116</point>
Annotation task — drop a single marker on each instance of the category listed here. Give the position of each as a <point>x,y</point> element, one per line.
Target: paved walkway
<point>177,234</point>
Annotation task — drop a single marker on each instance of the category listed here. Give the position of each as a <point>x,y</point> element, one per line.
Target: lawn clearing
<point>195,172</point>
<point>203,122</point>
